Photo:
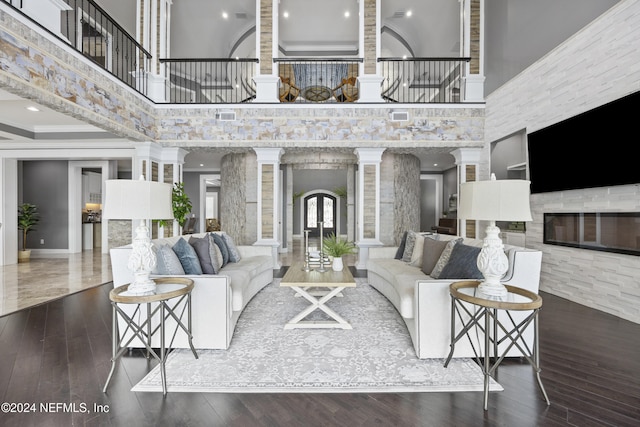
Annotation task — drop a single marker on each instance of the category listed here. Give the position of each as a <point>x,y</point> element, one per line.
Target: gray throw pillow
<point>463,263</point>
<point>444,258</point>
<point>214,254</point>
<point>234,253</point>
<point>217,238</point>
<point>201,246</point>
<point>167,262</point>
<point>187,256</point>
<point>403,242</point>
<point>432,249</point>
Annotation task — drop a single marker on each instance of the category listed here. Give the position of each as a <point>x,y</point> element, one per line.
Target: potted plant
<point>28,218</point>
<point>181,205</point>
<point>335,247</point>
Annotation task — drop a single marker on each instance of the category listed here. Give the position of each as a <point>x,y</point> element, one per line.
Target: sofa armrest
<point>383,252</point>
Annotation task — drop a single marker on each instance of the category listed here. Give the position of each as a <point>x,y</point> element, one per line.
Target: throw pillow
<point>223,248</point>
<point>462,263</point>
<point>418,247</point>
<point>444,258</point>
<point>409,245</point>
<point>401,246</point>
<point>187,256</point>
<point>214,254</point>
<point>431,253</point>
<point>201,246</point>
<point>167,262</point>
<point>234,253</point>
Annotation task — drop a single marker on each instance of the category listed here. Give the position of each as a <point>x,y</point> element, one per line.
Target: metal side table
<point>494,330</point>
<point>171,300</point>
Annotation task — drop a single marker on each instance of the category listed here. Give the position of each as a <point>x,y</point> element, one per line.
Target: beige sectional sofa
<point>217,299</point>
<point>424,301</point>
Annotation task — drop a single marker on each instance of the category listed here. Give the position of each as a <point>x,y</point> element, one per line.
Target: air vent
<point>399,14</point>
<point>241,15</point>
<point>399,116</point>
<point>226,116</point>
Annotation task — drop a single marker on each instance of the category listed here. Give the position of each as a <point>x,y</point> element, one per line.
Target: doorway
<point>320,208</point>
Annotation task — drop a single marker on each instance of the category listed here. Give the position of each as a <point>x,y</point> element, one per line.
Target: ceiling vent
<point>399,116</point>
<point>226,116</point>
<point>241,15</point>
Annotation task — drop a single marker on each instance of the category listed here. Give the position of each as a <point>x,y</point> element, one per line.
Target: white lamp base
<point>493,263</point>
<point>142,262</point>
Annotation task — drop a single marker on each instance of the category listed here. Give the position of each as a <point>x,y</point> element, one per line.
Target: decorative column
<point>468,168</point>
<point>266,79</point>
<point>370,77</point>
<point>472,16</point>
<point>368,204</point>
<point>268,210</point>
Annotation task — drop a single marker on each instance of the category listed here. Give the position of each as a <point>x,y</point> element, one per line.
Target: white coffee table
<point>305,284</point>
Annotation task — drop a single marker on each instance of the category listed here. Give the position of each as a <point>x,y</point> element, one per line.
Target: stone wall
<point>597,65</point>
<point>233,197</point>
<point>406,184</point>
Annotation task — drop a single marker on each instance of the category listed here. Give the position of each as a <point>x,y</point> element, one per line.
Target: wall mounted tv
<point>592,149</point>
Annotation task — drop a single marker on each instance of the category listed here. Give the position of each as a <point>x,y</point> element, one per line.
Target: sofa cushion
<point>217,238</point>
<point>234,253</point>
<point>402,277</point>
<point>201,246</point>
<point>188,257</point>
<point>444,258</point>
<point>254,265</point>
<point>167,262</point>
<point>462,263</point>
<point>431,251</point>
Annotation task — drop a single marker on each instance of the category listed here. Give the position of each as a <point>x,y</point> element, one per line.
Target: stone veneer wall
<point>597,65</point>
<point>233,196</point>
<point>406,194</point>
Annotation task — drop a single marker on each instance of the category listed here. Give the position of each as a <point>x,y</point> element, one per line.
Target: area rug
<point>377,355</point>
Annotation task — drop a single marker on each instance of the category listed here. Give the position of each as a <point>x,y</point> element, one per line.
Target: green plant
<point>181,205</point>
<point>28,218</point>
<point>336,247</point>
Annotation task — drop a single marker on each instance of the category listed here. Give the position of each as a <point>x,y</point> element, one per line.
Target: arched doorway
<point>320,207</point>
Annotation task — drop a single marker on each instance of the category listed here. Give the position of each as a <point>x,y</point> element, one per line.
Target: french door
<point>320,208</point>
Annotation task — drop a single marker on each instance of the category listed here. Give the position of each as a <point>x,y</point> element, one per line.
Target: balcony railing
<point>209,81</point>
<point>423,80</point>
<point>91,31</point>
<point>310,80</point>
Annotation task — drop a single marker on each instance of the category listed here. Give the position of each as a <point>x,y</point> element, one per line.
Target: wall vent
<point>226,116</point>
<point>399,116</point>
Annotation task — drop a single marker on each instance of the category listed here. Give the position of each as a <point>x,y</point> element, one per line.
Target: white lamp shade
<point>137,199</point>
<point>495,200</point>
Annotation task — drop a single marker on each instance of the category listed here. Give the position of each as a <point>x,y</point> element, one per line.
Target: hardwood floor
<point>58,354</point>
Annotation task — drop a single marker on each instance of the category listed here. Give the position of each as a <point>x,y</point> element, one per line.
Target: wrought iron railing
<point>318,80</point>
<point>423,80</point>
<point>209,81</point>
<point>91,31</point>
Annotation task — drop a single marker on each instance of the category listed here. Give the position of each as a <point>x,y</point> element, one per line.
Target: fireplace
<point>617,232</point>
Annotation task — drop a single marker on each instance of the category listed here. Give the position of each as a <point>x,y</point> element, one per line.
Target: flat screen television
<point>592,149</point>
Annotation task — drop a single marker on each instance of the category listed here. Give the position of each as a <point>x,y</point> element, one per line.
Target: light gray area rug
<point>375,356</point>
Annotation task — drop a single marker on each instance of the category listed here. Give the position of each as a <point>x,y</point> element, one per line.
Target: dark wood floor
<point>58,354</point>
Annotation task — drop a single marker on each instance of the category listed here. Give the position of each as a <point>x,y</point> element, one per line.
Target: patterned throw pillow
<point>463,263</point>
<point>167,262</point>
<point>444,258</point>
<point>201,246</point>
<point>187,256</point>
<point>418,248</point>
<point>403,243</point>
<point>217,238</point>
<point>408,247</point>
<point>234,253</point>
<point>214,254</point>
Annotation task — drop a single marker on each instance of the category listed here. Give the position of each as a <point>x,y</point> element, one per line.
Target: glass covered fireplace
<point>601,231</point>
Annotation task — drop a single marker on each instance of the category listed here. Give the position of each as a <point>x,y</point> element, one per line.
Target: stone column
<point>368,204</point>
<point>266,79</point>
<point>268,212</point>
<point>468,168</point>
<point>472,23</point>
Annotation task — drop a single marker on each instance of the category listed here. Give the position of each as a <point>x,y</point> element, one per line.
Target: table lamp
<point>139,200</point>
<point>494,200</point>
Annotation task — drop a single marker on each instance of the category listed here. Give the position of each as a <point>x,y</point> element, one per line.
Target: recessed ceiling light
<point>285,14</point>
<point>32,108</point>
<point>201,164</point>
<point>435,164</point>
<point>409,13</point>
<point>225,15</point>
<point>347,14</point>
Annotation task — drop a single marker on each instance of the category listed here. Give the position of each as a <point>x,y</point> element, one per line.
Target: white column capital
<point>369,155</point>
<point>269,155</point>
<point>467,155</point>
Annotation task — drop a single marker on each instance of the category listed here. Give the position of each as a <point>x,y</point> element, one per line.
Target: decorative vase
<point>337,264</point>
